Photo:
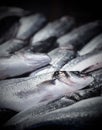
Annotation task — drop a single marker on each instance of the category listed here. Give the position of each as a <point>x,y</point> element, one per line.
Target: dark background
<point>83,10</point>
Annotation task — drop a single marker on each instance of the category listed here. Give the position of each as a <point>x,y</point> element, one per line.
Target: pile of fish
<point>50,72</point>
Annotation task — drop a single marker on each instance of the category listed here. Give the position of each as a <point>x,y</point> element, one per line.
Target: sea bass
<point>94,44</point>
<point>44,45</point>
<point>55,28</point>
<point>19,97</point>
<point>80,36</point>
<point>43,70</point>
<point>21,118</point>
<point>21,63</point>
<point>82,63</point>
<point>29,25</point>
<point>85,114</point>
<point>11,46</point>
<point>60,56</point>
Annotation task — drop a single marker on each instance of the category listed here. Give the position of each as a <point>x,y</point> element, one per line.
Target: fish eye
<point>57,74</point>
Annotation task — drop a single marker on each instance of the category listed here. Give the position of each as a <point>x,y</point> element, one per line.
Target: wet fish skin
<point>21,118</point>
<point>85,114</point>
<point>44,46</point>
<point>11,46</point>
<point>78,37</point>
<point>22,96</point>
<point>44,70</point>
<point>55,28</point>
<point>21,63</point>
<point>60,56</point>
<point>12,11</point>
<point>29,25</point>
<point>84,62</point>
<point>93,45</point>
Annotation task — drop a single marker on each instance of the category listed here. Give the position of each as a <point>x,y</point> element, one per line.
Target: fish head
<point>74,80</point>
<point>80,78</point>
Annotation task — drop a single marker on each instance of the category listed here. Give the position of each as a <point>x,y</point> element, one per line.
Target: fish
<point>44,46</point>
<point>79,36</point>
<point>93,45</point>
<point>60,56</point>
<point>29,25</point>
<point>20,97</point>
<point>55,28</point>
<point>84,62</point>
<point>85,114</point>
<point>90,92</point>
<point>22,63</point>
<point>97,75</point>
<point>46,69</point>
<point>11,46</point>
<point>29,114</point>
<point>12,11</point>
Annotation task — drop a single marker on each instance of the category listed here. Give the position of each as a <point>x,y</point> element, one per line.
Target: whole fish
<point>84,62</point>
<point>55,28</point>
<point>12,11</point>
<point>85,114</point>
<point>81,35</point>
<point>21,63</point>
<point>44,45</point>
<point>21,118</point>
<point>60,56</point>
<point>11,46</point>
<point>29,25</point>
<point>95,43</point>
<point>20,97</point>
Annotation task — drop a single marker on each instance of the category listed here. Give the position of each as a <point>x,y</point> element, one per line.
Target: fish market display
<point>77,116</point>
<point>81,35</point>
<point>94,44</point>
<point>85,62</point>
<point>55,28</point>
<point>50,71</point>
<point>30,25</point>
<point>19,98</point>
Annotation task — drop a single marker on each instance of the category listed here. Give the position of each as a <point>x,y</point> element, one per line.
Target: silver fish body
<point>21,118</point>
<point>85,114</point>
<point>80,36</point>
<point>20,97</point>
<point>84,62</point>
<point>44,45</point>
<point>21,63</point>
<point>11,46</point>
<point>30,25</point>
<point>55,28</point>
<point>44,70</point>
<point>59,57</point>
<point>93,45</point>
